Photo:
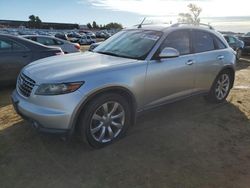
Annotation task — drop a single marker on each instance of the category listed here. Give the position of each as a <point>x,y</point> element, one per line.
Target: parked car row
<point>246,40</point>
<point>66,46</point>
<point>236,44</point>
<point>82,39</point>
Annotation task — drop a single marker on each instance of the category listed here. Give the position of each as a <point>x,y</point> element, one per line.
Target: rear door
<point>13,57</point>
<point>210,54</point>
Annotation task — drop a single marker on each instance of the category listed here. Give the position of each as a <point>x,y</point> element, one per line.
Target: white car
<point>66,46</point>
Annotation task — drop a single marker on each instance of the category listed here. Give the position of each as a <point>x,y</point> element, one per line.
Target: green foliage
<point>112,25</point>
<point>34,22</point>
<point>89,25</point>
<point>191,17</point>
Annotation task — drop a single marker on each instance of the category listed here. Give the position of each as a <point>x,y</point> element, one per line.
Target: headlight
<point>58,89</point>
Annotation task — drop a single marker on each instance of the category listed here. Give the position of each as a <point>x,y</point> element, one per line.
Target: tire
<point>238,54</point>
<point>98,125</point>
<point>220,88</point>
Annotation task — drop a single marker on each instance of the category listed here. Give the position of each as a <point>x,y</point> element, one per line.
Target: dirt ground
<point>188,144</point>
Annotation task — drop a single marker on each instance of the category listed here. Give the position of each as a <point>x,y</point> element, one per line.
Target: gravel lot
<point>188,144</point>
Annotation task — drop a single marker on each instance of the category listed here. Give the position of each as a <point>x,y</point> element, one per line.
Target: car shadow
<point>190,143</point>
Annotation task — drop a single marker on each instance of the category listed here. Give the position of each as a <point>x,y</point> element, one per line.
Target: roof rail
<point>185,23</point>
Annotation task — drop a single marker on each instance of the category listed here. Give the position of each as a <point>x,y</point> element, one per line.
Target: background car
<point>74,37</point>
<point>246,40</point>
<point>61,36</point>
<point>93,46</point>
<point>102,34</point>
<point>236,44</point>
<point>16,52</point>
<point>88,33</point>
<point>66,46</point>
<point>87,40</point>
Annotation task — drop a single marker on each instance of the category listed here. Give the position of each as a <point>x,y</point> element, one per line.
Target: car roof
<point>167,27</point>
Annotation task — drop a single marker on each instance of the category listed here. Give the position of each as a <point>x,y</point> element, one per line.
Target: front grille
<point>25,85</point>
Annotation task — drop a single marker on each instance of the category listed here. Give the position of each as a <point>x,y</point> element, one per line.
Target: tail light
<point>77,46</point>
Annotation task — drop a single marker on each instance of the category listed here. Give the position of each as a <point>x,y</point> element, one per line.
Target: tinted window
<point>203,42</point>
<point>179,40</point>
<point>6,45</point>
<point>58,42</point>
<point>45,41</point>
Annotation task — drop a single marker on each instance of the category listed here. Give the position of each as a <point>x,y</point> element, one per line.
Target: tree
<point>89,25</point>
<point>193,15</point>
<point>113,25</point>
<point>34,22</point>
<point>94,25</point>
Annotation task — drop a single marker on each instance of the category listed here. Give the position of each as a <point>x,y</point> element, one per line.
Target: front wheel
<point>104,120</point>
<point>221,88</point>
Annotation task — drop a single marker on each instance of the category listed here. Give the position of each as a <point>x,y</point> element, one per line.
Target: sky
<point>223,14</point>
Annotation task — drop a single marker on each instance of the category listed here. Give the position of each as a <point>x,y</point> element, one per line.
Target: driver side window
<point>180,40</point>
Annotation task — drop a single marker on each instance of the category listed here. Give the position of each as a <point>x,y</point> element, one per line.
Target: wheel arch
<point>112,89</point>
<point>231,70</point>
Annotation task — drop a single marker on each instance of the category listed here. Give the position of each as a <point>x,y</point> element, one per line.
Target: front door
<point>170,78</point>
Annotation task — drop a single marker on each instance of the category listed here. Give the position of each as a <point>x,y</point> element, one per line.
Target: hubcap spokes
<point>107,122</point>
<point>222,86</point>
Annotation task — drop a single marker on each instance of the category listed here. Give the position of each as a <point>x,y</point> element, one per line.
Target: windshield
<point>134,44</point>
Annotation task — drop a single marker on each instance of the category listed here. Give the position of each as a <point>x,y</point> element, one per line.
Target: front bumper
<point>52,114</point>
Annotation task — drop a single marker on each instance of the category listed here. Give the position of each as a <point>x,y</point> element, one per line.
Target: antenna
<point>140,25</point>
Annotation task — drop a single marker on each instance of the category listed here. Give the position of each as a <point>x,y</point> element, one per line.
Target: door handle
<point>220,57</point>
<point>190,62</point>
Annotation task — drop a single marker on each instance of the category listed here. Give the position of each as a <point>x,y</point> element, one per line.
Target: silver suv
<point>98,94</point>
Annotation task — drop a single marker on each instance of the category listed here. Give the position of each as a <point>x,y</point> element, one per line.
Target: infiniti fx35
<point>98,94</point>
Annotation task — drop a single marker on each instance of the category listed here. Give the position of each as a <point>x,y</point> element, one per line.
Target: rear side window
<point>6,45</point>
<point>45,41</point>
<point>218,43</point>
<point>180,40</point>
<point>203,42</point>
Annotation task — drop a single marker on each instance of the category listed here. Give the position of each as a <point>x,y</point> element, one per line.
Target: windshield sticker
<point>150,37</point>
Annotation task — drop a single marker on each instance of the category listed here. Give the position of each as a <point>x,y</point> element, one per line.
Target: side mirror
<point>169,53</point>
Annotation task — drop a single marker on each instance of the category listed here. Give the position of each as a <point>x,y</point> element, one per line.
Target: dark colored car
<point>236,44</point>
<point>74,37</point>
<point>61,36</point>
<point>246,40</point>
<point>16,52</point>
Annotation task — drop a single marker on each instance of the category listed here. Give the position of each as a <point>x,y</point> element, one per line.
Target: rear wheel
<point>104,120</point>
<point>221,87</point>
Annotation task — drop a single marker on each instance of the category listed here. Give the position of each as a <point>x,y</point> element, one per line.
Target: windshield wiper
<point>108,53</point>
<point>116,55</point>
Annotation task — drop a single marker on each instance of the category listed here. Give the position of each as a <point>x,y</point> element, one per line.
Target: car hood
<point>72,67</point>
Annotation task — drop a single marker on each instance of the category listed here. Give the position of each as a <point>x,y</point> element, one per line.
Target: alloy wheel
<point>107,122</point>
<point>222,86</point>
